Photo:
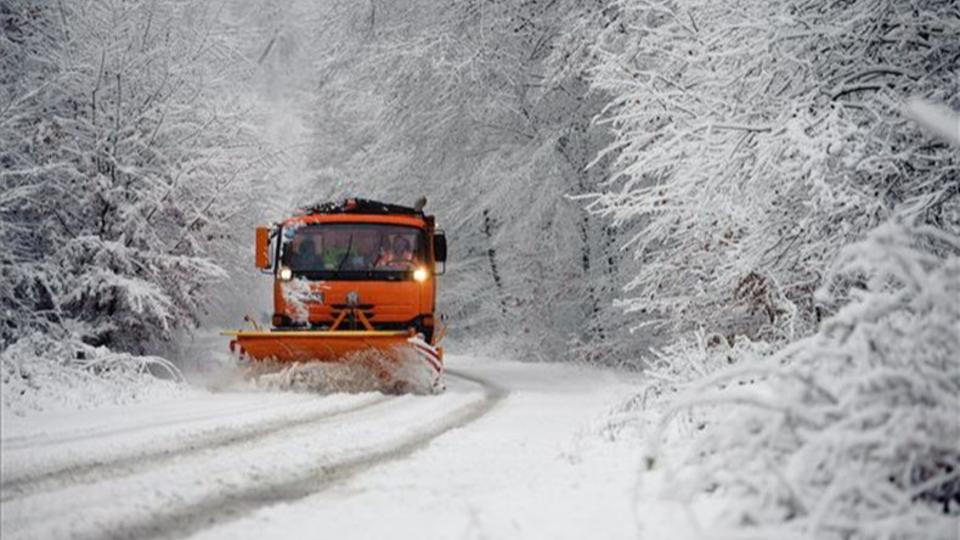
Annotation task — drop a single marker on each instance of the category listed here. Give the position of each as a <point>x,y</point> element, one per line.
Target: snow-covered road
<point>509,449</point>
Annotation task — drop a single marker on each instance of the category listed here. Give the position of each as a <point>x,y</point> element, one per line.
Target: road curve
<point>362,436</point>
<point>226,506</point>
<point>90,468</point>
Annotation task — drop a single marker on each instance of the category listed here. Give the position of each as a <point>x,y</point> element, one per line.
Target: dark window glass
<point>352,251</point>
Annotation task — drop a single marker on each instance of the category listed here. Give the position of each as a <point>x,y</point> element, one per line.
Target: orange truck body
<point>345,305</point>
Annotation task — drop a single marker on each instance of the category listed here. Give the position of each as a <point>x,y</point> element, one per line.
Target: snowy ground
<point>511,449</point>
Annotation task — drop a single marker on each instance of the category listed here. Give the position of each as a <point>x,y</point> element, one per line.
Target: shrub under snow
<point>853,432</point>
<point>38,373</point>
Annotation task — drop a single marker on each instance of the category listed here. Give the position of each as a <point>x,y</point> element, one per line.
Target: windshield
<point>351,251</point>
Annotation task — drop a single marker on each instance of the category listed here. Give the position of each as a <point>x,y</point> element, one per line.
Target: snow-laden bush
<point>667,371</point>
<point>853,432</point>
<point>39,373</point>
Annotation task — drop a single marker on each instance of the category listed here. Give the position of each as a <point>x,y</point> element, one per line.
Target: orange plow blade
<point>393,356</point>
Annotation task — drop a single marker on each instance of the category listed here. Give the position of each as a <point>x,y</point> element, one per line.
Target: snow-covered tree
<point>755,139</point>
<point>124,163</point>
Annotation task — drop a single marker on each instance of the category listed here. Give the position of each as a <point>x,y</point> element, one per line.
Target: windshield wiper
<point>344,258</point>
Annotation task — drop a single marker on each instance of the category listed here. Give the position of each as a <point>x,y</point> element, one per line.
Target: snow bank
<point>39,373</point>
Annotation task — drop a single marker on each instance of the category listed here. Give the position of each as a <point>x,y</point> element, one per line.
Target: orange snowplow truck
<point>352,282</point>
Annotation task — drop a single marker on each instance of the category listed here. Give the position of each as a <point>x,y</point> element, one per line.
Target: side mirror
<point>263,248</point>
<point>440,250</point>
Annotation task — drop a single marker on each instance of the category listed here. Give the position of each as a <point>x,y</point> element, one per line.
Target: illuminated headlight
<point>420,274</point>
<point>286,274</point>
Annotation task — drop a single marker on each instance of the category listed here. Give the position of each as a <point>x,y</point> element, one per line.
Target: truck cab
<point>358,266</point>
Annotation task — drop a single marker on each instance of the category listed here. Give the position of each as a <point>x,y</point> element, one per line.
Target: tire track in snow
<point>92,470</point>
<point>220,508</point>
<point>33,442</point>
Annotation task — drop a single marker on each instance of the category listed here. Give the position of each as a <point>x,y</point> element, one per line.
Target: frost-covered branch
<point>752,145</point>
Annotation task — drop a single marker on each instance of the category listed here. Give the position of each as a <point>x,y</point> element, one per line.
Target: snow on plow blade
<point>398,359</point>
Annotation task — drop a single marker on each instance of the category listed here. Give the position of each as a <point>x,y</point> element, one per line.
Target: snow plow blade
<point>393,356</point>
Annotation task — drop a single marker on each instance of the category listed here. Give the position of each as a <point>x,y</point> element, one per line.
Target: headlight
<point>286,274</point>
<point>420,274</point>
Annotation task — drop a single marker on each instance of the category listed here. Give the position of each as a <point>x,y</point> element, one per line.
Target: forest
<point>754,205</point>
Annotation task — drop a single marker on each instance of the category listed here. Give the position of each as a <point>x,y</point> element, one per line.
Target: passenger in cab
<point>398,257</point>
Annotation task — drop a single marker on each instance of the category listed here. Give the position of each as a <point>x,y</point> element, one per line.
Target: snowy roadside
<point>44,380</point>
